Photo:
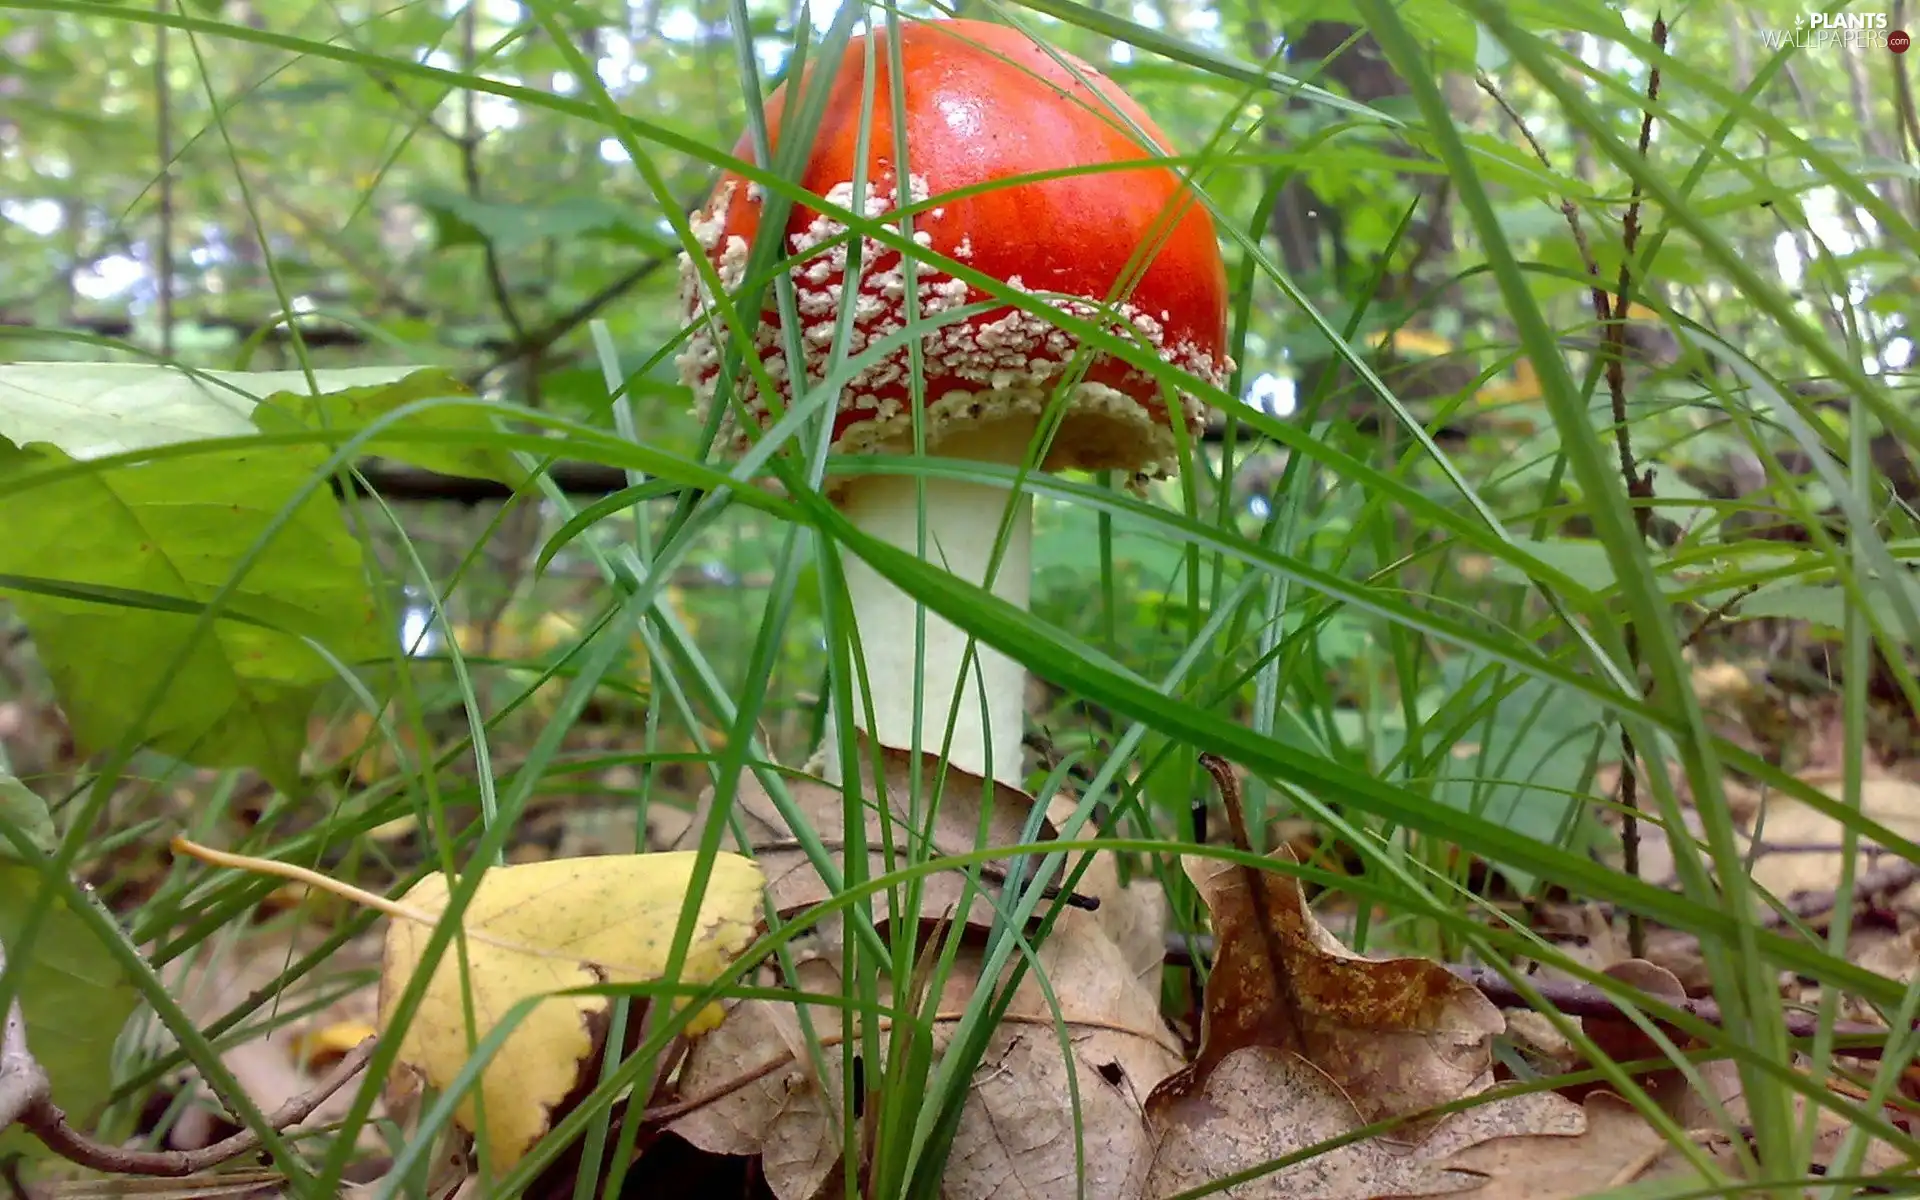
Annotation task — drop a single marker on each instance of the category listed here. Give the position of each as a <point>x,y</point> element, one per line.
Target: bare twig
<point>1611,313</point>
<point>163,151</point>
<point>26,1100</point>
<point>1716,614</point>
<point>23,1083</point>
<point>469,143</point>
<point>1892,877</point>
<point>49,1124</point>
<point>1639,483</point>
<point>542,339</point>
<point>1614,333</point>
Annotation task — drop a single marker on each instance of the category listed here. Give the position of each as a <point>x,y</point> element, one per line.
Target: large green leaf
<point>72,991</point>
<point>176,531</point>
<point>1521,768</point>
<point>25,814</point>
<point>357,407</point>
<point>180,528</point>
<point>1826,604</point>
<point>91,410</point>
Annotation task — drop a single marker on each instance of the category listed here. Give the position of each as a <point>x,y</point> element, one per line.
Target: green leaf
<point>175,531</point>
<point>1583,561</point>
<point>1522,768</point>
<point>1825,604</point>
<point>357,407</point>
<point>460,220</point>
<point>92,410</point>
<point>180,528</point>
<point>23,811</point>
<point>73,993</point>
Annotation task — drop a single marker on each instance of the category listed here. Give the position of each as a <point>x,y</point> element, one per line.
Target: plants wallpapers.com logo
<point>1820,31</point>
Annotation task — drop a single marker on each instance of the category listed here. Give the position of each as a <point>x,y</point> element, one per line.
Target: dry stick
<point>1612,316</point>
<point>1584,1000</point>
<point>1639,483</point>
<point>1881,880</point>
<point>469,146</point>
<point>26,1100</point>
<point>46,1122</point>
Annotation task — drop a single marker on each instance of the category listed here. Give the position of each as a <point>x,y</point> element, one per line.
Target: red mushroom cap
<point>984,103</point>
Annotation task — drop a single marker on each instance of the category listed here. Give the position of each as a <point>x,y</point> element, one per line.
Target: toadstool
<point>983,103</point>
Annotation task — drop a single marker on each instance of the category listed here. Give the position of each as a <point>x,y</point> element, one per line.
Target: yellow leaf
<point>318,1049</point>
<point>1411,341</point>
<point>551,631</point>
<point>539,928</point>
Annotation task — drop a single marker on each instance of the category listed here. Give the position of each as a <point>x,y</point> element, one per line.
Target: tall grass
<point>1341,647</point>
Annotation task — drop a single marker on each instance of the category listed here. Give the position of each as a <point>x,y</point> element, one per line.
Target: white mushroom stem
<point>963,522</point>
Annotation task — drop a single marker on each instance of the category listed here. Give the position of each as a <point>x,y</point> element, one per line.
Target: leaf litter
<point>1302,1041</point>
<point>1039,1118</point>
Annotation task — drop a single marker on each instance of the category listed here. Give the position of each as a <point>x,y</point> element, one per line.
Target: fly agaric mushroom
<point>983,103</point>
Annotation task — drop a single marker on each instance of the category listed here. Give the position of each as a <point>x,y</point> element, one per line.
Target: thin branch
<point>1639,483</point>
<point>163,138</point>
<point>1612,315</point>
<point>1716,614</point>
<point>1893,877</point>
<point>49,1124</point>
<point>540,340</point>
<point>316,331</point>
<point>23,1082</point>
<point>469,143</point>
<point>423,115</point>
<point>26,1100</point>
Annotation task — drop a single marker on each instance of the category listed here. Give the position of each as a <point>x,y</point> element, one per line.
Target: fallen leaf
<point>549,926</point>
<point>893,839</point>
<point>1617,1147</point>
<point>784,1115</point>
<point>1259,1104</point>
<point>1133,914</point>
<point>1801,845</point>
<point>1017,1129</point>
<point>318,1049</point>
<point>1895,955</point>
<point>1303,1041</point>
<point>1396,1034</point>
<point>1618,1037</point>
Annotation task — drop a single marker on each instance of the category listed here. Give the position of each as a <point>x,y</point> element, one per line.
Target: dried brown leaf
<point>1802,844</point>
<point>1396,1035</point>
<point>1134,914</point>
<point>1017,1129</point>
<point>1617,1147</point>
<point>1303,1040</point>
<point>1260,1104</point>
<point>786,1116</point>
<point>1619,1038</point>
